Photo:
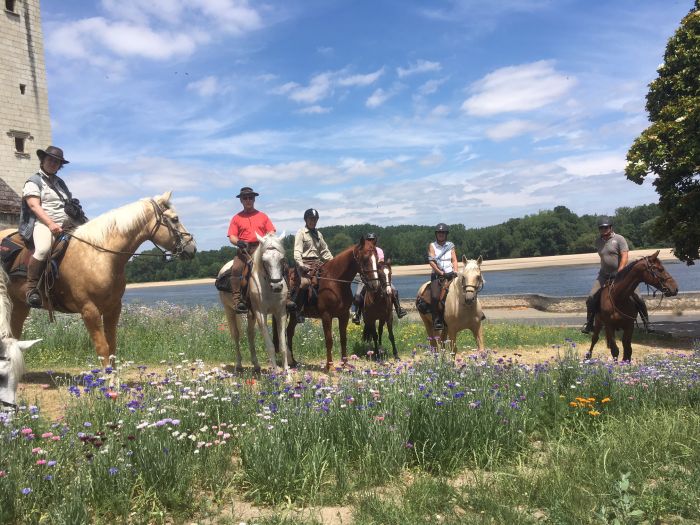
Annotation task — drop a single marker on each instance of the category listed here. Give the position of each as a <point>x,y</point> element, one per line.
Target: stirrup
<point>356,317</point>
<point>34,298</point>
<point>300,318</point>
<point>291,306</point>
<point>241,307</point>
<point>438,325</point>
<point>400,312</point>
<point>587,328</point>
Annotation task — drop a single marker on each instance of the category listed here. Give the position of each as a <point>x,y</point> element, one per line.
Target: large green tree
<point>670,147</point>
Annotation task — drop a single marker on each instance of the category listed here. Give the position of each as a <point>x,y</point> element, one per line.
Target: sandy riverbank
<point>487,266</point>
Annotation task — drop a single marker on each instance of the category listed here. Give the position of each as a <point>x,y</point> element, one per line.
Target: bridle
<point>659,277</point>
<point>365,280</point>
<point>470,287</point>
<point>269,278</point>
<point>182,239</point>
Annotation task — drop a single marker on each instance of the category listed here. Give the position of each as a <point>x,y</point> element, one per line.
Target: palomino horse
<point>91,278</point>
<point>335,296</point>
<point>267,291</point>
<point>378,307</point>
<point>617,309</point>
<point>462,306</point>
<point>11,356</point>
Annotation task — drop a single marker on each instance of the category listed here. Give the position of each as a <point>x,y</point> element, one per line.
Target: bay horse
<point>91,278</point>
<point>11,355</point>
<point>335,296</point>
<point>462,305</point>
<point>267,292</point>
<point>618,310</point>
<point>379,308</point>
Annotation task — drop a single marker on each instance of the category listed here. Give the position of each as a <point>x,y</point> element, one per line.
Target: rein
<point>161,220</point>
<point>663,289</point>
<point>362,280</point>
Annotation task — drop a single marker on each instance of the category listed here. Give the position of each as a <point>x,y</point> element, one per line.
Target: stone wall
<point>24,108</point>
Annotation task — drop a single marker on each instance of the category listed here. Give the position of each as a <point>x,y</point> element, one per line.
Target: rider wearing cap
<point>359,299</point>
<point>310,252</point>
<point>442,258</point>
<point>614,254</point>
<point>242,232</point>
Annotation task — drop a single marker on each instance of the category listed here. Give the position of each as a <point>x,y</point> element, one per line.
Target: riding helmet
<point>442,227</point>
<point>310,214</point>
<point>605,222</point>
<point>371,236</point>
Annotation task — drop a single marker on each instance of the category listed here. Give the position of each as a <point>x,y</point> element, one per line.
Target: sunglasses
<point>248,198</point>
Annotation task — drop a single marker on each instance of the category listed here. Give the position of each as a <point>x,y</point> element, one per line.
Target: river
<point>559,281</point>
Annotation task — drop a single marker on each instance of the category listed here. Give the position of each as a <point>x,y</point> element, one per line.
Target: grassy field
<point>175,437</point>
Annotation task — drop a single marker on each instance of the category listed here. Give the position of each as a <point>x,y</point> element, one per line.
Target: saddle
<point>424,300</point>
<point>15,254</point>
<point>295,280</point>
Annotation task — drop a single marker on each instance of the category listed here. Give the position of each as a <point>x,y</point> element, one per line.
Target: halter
<point>365,280</point>
<point>267,273</point>
<point>470,287</point>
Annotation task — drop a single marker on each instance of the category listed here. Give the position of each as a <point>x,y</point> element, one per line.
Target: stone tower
<point>24,107</point>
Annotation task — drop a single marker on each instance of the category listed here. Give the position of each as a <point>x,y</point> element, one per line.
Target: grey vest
<point>27,219</point>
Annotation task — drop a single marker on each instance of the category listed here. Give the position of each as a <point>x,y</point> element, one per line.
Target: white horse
<point>462,306</point>
<point>11,354</point>
<point>267,291</point>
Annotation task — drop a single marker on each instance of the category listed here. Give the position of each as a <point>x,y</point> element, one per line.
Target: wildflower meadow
<point>171,434</point>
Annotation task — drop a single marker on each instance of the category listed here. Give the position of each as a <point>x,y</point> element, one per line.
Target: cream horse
<point>11,355</point>
<point>91,279</point>
<point>462,306</point>
<point>267,291</point>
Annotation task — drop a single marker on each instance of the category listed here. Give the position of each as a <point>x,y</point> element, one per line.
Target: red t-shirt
<point>245,225</point>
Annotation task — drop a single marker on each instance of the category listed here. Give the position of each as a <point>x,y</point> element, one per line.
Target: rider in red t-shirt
<point>242,232</point>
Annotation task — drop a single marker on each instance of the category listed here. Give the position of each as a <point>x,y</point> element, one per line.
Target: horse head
<point>470,282</point>
<point>11,371</point>
<point>366,257</point>
<point>270,258</point>
<point>385,276</point>
<point>656,275</point>
<point>168,232</point>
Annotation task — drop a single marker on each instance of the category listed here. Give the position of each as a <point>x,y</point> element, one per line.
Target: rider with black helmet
<point>442,258</point>
<point>310,252</point>
<point>614,253</point>
<point>359,299</point>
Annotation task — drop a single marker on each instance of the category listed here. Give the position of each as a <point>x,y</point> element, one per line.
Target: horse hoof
<point>587,356</point>
<point>256,370</point>
<point>294,364</point>
<point>239,369</point>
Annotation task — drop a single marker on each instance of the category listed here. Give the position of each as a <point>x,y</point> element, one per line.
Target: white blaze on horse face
<point>387,280</point>
<point>375,274</point>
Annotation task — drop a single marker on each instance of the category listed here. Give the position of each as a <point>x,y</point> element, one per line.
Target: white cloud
<point>325,50</point>
<point>420,66</point>
<point>319,88</point>
<point>378,98</point>
<point>205,87</point>
<point>314,110</point>
<point>594,164</point>
<point>361,80</point>
<point>439,111</point>
<point>431,86</point>
<point>518,88</point>
<point>509,129</point>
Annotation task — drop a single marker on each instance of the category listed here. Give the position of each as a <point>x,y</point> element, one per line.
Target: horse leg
<point>110,320</point>
<point>20,311</point>
<point>235,331</point>
<point>278,326</point>
<point>327,322</point>
<point>612,345</point>
<point>343,329</point>
<point>251,342</point>
<point>95,327</point>
<point>479,336</point>
<point>261,318</point>
<point>390,329</point>
<point>291,327</point>
<point>627,343</point>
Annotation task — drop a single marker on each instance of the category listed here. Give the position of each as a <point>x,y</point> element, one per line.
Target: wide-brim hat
<point>247,191</point>
<point>51,151</point>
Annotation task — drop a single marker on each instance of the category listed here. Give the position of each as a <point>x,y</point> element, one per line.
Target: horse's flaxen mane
<point>472,264</point>
<point>5,306</point>
<point>121,220</point>
<point>269,241</point>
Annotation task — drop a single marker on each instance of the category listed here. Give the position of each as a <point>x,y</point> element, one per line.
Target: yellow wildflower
<point>594,413</point>
<point>605,400</point>
<point>573,404</point>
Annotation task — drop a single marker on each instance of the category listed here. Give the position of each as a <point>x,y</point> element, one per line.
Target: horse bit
<point>162,220</point>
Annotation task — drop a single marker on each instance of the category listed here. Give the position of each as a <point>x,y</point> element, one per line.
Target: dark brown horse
<point>618,310</point>
<point>379,307</point>
<point>335,296</point>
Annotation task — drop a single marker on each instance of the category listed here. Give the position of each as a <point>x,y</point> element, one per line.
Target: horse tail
<point>368,332</point>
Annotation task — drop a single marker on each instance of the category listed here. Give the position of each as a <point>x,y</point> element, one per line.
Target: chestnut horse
<point>617,309</point>
<point>379,307</point>
<point>335,296</point>
<point>91,279</point>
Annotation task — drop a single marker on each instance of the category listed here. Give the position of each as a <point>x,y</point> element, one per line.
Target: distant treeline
<point>552,232</point>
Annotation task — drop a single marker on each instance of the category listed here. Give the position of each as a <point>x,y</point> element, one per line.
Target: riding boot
<point>438,312</point>
<point>643,312</point>
<point>357,308</point>
<point>400,312</point>
<point>34,270</point>
<point>240,306</point>
<point>590,317</point>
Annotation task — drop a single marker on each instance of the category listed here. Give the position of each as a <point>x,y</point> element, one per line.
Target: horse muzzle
<point>188,252</point>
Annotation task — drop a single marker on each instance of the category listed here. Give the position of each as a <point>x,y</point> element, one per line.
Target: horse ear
<point>282,235</point>
<point>655,255</point>
<point>258,236</point>
<point>24,345</point>
<point>388,261</point>
<point>479,260</point>
<point>165,198</point>
<point>464,260</point>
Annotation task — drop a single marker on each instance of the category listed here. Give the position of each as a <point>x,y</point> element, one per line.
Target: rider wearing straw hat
<point>43,215</point>
<point>442,258</point>
<point>242,232</point>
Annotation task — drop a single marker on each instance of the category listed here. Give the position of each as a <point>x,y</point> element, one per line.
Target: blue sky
<point>389,111</point>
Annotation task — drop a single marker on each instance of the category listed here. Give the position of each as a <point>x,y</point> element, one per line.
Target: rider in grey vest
<point>442,258</point>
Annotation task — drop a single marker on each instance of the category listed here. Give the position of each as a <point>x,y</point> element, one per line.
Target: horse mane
<point>342,255</point>
<point>627,269</point>
<point>270,239</point>
<point>5,306</point>
<point>471,265</point>
<point>120,220</point>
